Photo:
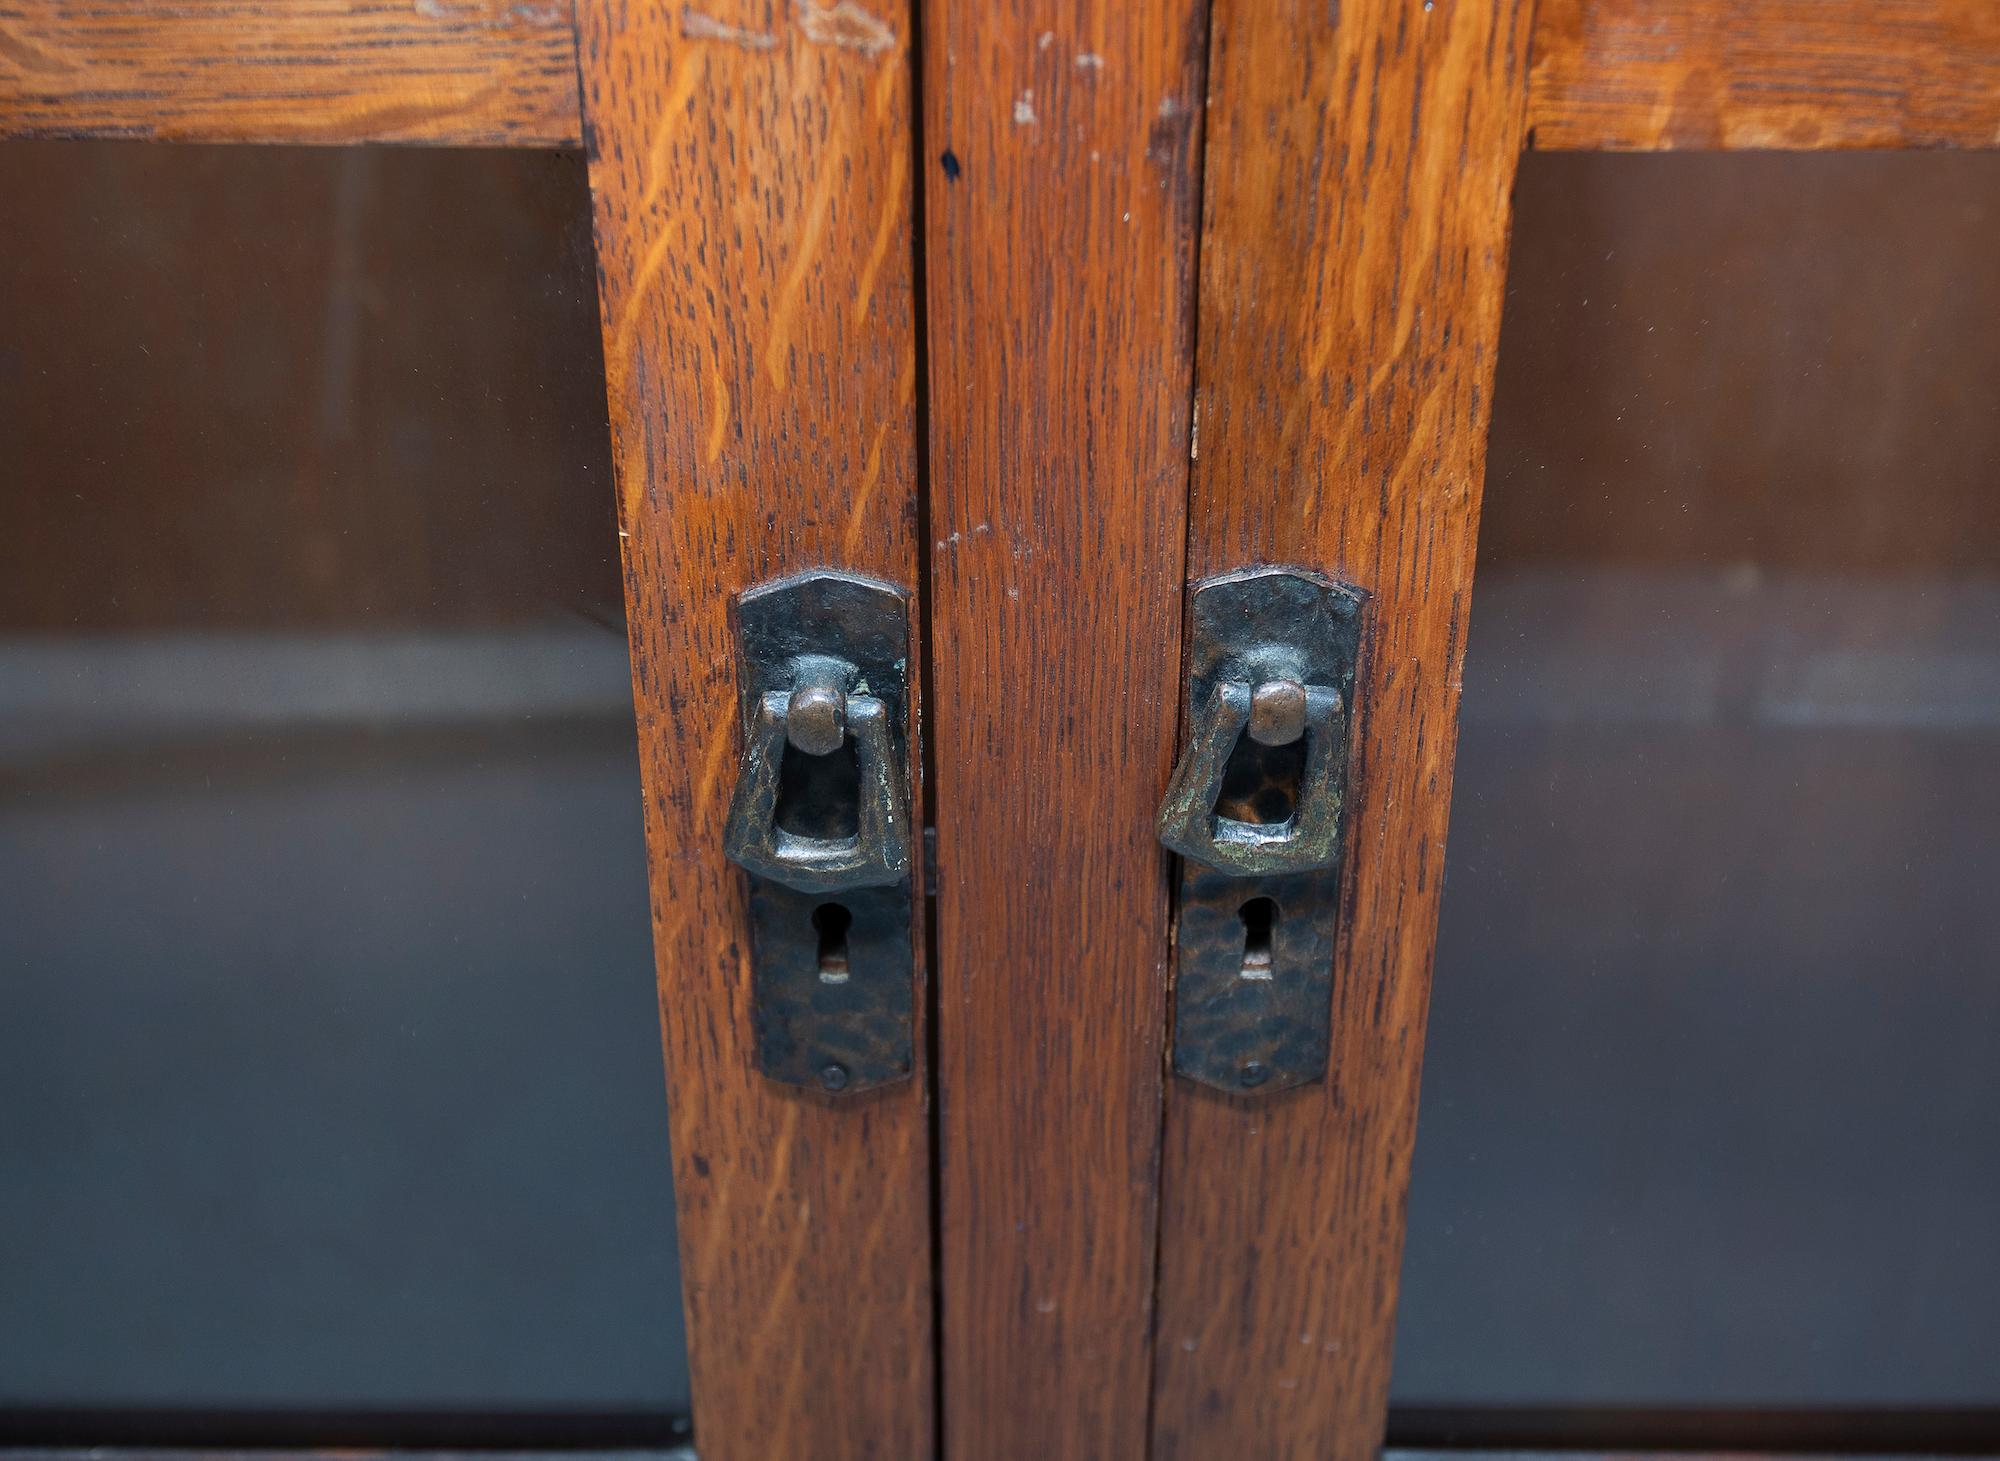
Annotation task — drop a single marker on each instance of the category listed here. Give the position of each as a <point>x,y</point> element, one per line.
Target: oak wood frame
<point>1354,250</point>
<point>1620,75</point>
<point>750,180</point>
<point>797,1338</point>
<point>496,73</point>
<point>1061,198</point>
<point>1344,388</point>
<point>1784,75</point>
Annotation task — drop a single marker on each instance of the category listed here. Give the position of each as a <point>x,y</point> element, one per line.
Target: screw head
<point>1277,712</point>
<point>816,719</point>
<point>833,1076</point>
<point>1254,1073</point>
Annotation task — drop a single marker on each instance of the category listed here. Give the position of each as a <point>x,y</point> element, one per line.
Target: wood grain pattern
<point>1608,74</point>
<point>750,170</point>
<point>1353,254</point>
<point>483,72</point>
<point>1060,214</point>
<point>1784,74</point>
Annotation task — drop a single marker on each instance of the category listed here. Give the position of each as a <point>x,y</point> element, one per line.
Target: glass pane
<point>329,1066</point>
<point>1711,1107</point>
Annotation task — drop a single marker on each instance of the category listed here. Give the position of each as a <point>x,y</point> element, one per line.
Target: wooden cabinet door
<point>751,180</point>
<point>1041,316</point>
<point>1354,167</point>
<point>1061,182</point>
<point>1354,245</point>
<point>1168,341</point>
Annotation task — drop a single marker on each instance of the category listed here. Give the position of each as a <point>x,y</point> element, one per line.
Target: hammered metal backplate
<point>825,838</point>
<point>1260,829</point>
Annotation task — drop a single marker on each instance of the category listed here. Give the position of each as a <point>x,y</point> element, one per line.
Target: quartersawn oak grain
<point>1608,74</point>
<point>1781,74</point>
<point>1060,210</point>
<point>1354,240</point>
<point>750,173</point>
<point>482,72</point>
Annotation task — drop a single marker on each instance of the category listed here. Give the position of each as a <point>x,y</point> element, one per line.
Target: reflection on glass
<point>329,1074</point>
<point>1711,1108</point>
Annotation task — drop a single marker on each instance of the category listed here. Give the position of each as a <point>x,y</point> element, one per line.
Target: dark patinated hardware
<point>820,820</point>
<point>1254,809</point>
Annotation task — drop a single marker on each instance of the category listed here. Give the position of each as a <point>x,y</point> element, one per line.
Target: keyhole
<point>1260,917</point>
<point>830,922</point>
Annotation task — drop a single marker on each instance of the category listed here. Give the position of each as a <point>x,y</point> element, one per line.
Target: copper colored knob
<point>1277,712</point>
<point>816,719</point>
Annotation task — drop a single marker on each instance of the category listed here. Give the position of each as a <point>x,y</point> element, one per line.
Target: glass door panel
<point>1711,1106</point>
<point>329,1061</point>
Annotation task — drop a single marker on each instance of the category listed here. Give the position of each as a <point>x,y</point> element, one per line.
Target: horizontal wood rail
<point>466,72</point>
<point>1608,75</point>
<point>667,1451</point>
<point>1784,75</point>
<point>1690,1433</point>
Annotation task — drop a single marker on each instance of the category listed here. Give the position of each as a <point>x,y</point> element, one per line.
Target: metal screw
<point>816,719</point>
<point>1277,712</point>
<point>1254,1073</point>
<point>834,1077</point>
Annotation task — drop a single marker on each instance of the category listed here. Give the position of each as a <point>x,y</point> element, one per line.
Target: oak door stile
<point>1356,202</point>
<point>749,167</point>
<point>1061,183</point>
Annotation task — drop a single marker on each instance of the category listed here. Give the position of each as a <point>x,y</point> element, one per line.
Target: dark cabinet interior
<point>329,1066</point>
<point>1710,1117</point>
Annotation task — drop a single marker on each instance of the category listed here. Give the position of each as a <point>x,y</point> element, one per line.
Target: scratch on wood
<point>802,263</point>
<point>845,25</point>
<point>712,766</point>
<point>24,55</point>
<point>871,477</point>
<point>699,27</point>
<point>718,421</point>
<point>686,74</point>
<point>892,211</point>
<point>489,13</point>
<point>620,356</point>
<point>632,479</point>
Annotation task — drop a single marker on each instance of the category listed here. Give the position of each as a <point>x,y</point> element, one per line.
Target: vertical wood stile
<point>749,166</point>
<point>1062,172</point>
<point>1360,158</point>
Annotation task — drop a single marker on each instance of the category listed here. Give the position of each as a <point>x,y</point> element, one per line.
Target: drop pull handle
<point>820,821</point>
<point>815,719</point>
<point>1278,712</point>
<point>1255,808</point>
